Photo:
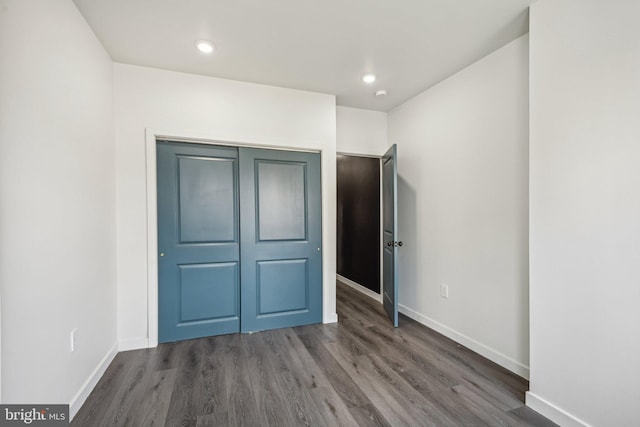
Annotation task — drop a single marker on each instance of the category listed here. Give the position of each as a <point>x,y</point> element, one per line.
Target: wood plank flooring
<point>359,372</point>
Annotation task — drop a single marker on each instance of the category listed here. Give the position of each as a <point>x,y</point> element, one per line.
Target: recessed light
<point>369,78</point>
<point>381,93</point>
<point>205,46</point>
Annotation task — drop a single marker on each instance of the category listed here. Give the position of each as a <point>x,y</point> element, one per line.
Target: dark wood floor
<point>360,371</point>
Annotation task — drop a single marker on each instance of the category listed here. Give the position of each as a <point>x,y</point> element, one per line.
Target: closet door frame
<point>151,138</point>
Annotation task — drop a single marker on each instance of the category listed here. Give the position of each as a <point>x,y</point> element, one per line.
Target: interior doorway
<point>358,223</point>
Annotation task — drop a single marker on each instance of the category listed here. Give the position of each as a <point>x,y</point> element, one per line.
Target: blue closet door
<point>281,239</point>
<point>198,241</point>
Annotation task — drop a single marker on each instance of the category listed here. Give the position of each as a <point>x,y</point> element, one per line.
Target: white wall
<point>585,211</point>
<point>215,109</point>
<point>57,210</point>
<point>361,131</point>
<point>463,202</point>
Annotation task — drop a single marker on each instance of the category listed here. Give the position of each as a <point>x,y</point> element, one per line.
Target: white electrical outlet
<point>444,290</point>
<point>72,341</point>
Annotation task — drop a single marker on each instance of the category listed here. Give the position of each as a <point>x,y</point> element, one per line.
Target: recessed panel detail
<point>281,198</point>
<point>207,204</point>
<point>387,265</point>
<point>283,286</point>
<point>387,202</point>
<point>208,291</point>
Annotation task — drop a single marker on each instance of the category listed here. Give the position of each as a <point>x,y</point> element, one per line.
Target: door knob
<point>400,243</point>
<point>389,243</point>
<point>161,253</point>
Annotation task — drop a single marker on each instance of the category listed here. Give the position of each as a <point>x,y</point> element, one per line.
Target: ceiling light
<point>381,93</point>
<point>205,46</point>
<point>369,78</point>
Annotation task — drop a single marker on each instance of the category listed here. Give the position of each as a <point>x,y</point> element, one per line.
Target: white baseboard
<point>551,411</point>
<point>491,354</point>
<point>90,383</point>
<point>133,344</point>
<point>330,318</point>
<point>358,287</point>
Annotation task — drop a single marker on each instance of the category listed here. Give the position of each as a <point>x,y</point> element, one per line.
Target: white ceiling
<point>316,45</point>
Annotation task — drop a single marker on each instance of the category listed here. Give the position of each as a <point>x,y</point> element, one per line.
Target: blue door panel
<point>281,252</point>
<point>208,292</point>
<point>283,286</point>
<point>198,230</point>
<point>207,199</point>
<point>281,200</point>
